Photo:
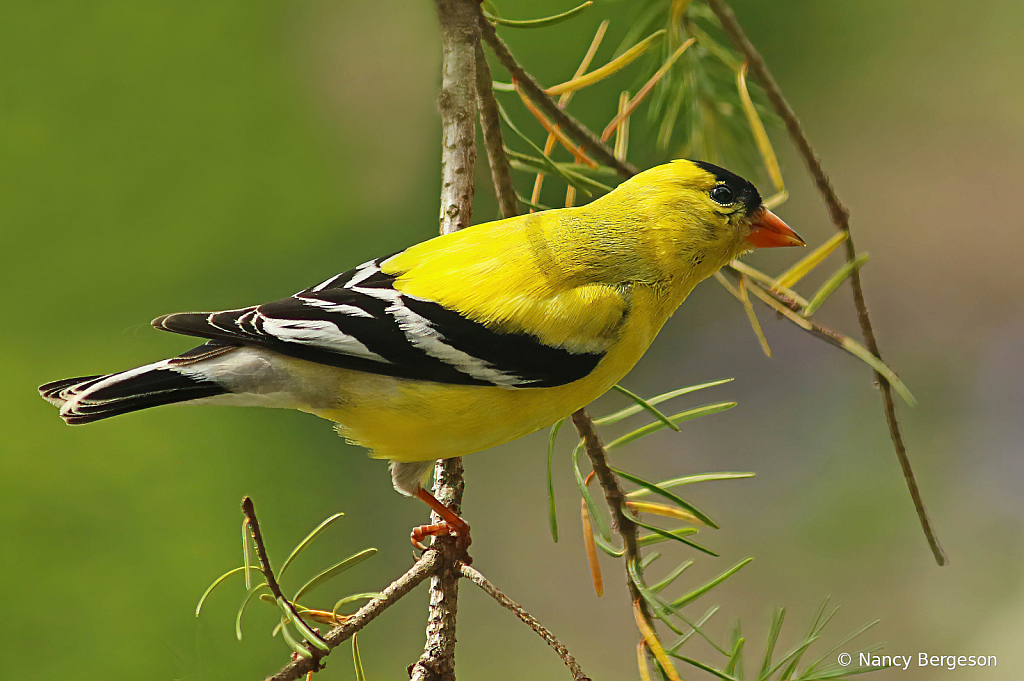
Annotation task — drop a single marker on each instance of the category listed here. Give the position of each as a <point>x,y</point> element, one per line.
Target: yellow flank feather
<point>598,278</point>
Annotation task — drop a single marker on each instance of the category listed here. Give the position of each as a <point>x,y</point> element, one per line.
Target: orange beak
<point>768,231</point>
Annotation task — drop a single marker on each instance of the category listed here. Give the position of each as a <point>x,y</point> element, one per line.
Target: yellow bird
<point>468,340</point>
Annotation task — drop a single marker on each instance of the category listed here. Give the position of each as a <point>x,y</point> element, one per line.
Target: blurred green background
<point>158,157</point>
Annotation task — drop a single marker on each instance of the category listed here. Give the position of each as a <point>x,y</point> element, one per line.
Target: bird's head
<point>691,218</point>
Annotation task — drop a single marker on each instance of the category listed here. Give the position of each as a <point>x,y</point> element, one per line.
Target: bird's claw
<point>443,529</point>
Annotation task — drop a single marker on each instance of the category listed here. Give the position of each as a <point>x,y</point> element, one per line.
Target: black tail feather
<point>51,391</point>
<point>91,398</point>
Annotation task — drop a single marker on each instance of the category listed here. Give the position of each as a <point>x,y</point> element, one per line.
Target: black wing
<point>358,320</point>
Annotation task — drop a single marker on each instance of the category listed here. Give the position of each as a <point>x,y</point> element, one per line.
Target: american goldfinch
<point>470,339</point>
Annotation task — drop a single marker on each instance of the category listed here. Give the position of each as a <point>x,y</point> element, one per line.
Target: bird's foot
<point>451,525</point>
<point>441,529</point>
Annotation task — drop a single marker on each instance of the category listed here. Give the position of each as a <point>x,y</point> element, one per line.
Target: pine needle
<point>752,317</point>
<point>608,69</point>
<point>653,644</point>
<point>591,548</point>
<point>563,101</point>
<point>553,129</point>
<point>807,263</point>
<point>644,91</point>
<point>764,145</point>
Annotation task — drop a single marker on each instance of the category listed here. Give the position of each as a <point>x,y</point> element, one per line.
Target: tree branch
<point>423,568</point>
<point>841,219</point>
<point>457,104</point>
<point>317,651</point>
<point>438,660</point>
<point>460,39</point>
<point>517,610</point>
<point>573,128</point>
<point>616,499</point>
<point>490,124</point>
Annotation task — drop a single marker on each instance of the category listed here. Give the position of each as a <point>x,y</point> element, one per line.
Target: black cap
<point>743,190</point>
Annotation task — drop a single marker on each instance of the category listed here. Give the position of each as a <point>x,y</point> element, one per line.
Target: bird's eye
<point>722,195</point>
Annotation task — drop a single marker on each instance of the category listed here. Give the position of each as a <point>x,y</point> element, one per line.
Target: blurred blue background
<point>159,157</point>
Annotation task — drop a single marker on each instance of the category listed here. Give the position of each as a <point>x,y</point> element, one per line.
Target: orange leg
<point>450,524</point>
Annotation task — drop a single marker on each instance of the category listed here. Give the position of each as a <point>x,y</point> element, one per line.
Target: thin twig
<point>788,308</point>
<point>426,566</point>
<point>517,610</point>
<point>573,128</point>
<point>615,497</point>
<point>824,333</point>
<point>316,651</point>
<point>841,218</point>
<point>774,292</point>
<point>490,124</point>
<point>577,152</point>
